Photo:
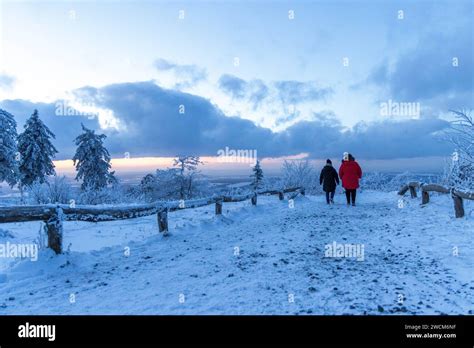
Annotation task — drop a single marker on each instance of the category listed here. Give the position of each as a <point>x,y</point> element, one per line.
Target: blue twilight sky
<point>283,77</point>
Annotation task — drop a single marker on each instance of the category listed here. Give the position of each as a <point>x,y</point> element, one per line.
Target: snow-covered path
<point>268,259</point>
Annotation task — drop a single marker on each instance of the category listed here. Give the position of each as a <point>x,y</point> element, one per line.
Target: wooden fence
<point>458,196</point>
<point>53,215</point>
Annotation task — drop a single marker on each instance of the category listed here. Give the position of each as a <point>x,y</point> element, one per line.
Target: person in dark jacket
<point>350,174</point>
<point>329,180</point>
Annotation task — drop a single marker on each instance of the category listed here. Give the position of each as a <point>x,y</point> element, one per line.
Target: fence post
<point>281,196</point>
<point>425,197</point>
<point>254,199</point>
<point>54,230</point>
<point>458,205</point>
<point>412,191</point>
<point>219,207</point>
<point>162,217</point>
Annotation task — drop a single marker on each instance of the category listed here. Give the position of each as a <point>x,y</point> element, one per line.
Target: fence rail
<point>54,214</point>
<point>457,195</point>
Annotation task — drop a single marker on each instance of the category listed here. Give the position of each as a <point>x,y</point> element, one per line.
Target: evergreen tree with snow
<point>92,161</point>
<point>36,151</point>
<point>257,176</point>
<point>8,149</point>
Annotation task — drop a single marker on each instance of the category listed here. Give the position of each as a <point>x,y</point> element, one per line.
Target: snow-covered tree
<point>187,171</point>
<point>36,151</point>
<point>165,184</point>
<point>460,172</point>
<point>257,176</point>
<point>8,149</point>
<point>171,183</point>
<point>147,184</point>
<point>92,161</point>
<point>461,134</point>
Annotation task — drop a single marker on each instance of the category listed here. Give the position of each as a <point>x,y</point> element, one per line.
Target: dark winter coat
<point>350,173</point>
<point>328,178</point>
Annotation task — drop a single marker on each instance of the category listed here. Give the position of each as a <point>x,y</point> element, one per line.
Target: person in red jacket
<point>350,174</point>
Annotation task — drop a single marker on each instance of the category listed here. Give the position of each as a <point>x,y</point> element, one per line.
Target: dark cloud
<point>397,139</point>
<point>324,136</point>
<point>154,127</point>
<point>189,75</point>
<point>427,74</point>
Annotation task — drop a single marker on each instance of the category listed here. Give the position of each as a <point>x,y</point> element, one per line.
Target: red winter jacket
<point>350,173</point>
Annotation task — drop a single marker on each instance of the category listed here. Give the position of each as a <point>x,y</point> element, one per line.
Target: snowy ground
<point>268,259</point>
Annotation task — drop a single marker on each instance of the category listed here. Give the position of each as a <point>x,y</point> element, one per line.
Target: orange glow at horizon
<point>153,163</point>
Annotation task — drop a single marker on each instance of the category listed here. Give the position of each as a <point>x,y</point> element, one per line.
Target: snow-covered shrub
<point>100,196</point>
<point>389,182</point>
<point>272,183</point>
<point>378,182</point>
<point>106,195</point>
<point>300,173</point>
<point>60,191</point>
<point>164,184</point>
<point>202,188</point>
<point>55,190</point>
<point>460,171</point>
<point>38,193</point>
<point>171,184</point>
<point>401,179</point>
<point>237,191</point>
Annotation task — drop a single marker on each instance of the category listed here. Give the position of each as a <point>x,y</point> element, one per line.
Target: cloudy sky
<point>290,79</point>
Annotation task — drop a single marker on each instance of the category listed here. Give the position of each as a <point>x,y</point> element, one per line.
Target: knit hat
<point>345,156</point>
<point>328,161</point>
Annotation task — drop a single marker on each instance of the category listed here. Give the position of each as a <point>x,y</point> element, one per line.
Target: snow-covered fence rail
<point>80,212</point>
<point>53,215</point>
<point>457,195</point>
